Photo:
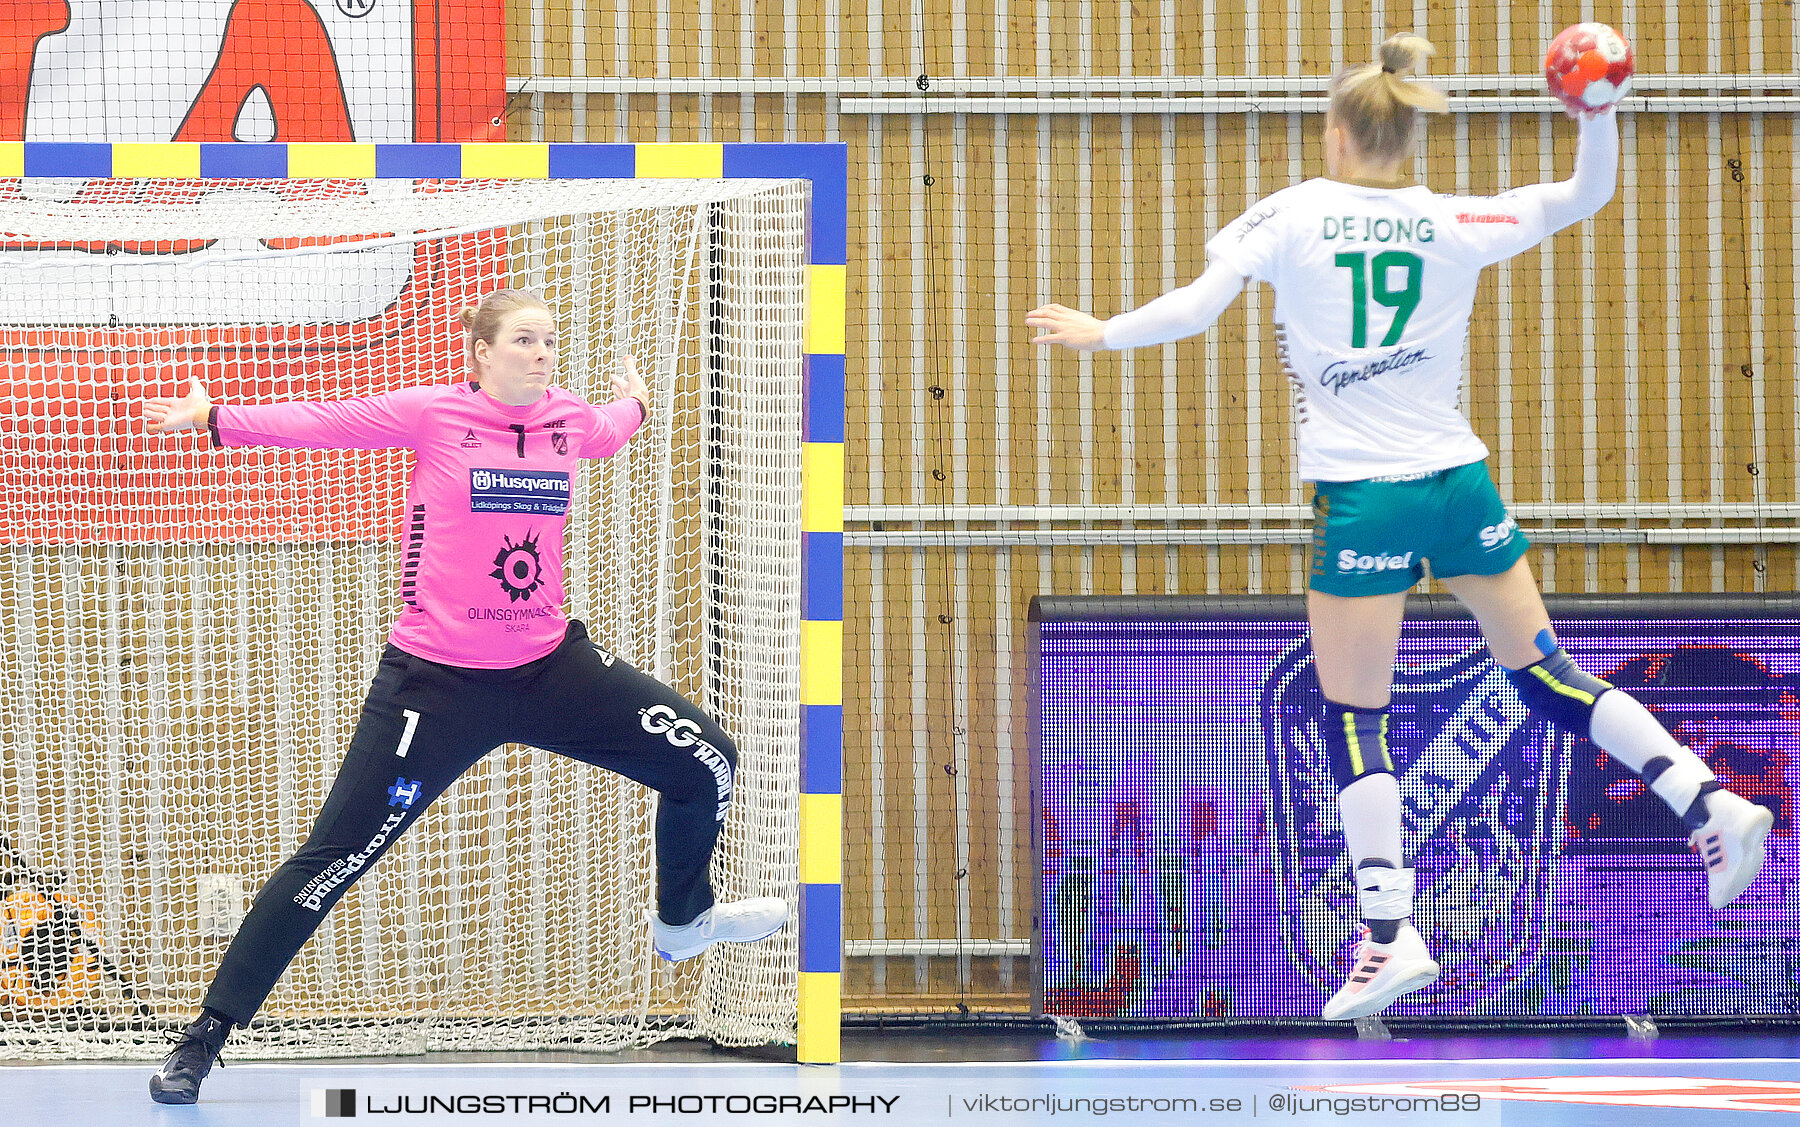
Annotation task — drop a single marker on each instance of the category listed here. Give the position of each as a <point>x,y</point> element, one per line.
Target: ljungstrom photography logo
<point>334,1103</point>
<point>1484,790</point>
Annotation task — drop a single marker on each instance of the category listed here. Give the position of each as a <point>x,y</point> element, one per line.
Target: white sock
<point>1370,811</point>
<point>1625,730</point>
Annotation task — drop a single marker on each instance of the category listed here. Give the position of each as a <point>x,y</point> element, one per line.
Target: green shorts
<point>1374,537</point>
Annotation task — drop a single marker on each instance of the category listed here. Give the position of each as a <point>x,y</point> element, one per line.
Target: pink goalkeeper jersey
<point>482,578</point>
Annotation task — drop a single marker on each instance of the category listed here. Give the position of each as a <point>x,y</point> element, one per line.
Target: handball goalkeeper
<point>481,655</point>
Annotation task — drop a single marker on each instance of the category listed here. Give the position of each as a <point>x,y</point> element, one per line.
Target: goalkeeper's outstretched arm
<point>358,424</point>
<point>188,412</point>
<point>1185,312</point>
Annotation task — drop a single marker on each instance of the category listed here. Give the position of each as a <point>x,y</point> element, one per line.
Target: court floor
<point>908,1077</point>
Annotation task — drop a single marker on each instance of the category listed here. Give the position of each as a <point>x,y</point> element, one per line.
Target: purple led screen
<point>1192,860</point>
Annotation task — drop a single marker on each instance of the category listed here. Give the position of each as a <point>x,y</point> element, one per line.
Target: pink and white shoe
<point>1383,972</point>
<point>1731,844</point>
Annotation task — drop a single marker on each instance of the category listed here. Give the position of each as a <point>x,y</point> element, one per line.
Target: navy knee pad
<point>1356,742</point>
<point>1556,690</point>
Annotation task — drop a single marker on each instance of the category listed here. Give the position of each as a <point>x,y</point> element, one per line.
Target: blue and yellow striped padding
<point>822,478</point>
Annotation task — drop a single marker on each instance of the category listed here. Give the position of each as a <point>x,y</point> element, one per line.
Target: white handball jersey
<point>1373,292</point>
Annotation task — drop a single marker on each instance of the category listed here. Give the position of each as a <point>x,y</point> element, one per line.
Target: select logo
<point>334,1103</point>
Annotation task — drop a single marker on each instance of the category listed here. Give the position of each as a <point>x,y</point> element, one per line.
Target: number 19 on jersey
<point>1371,279</point>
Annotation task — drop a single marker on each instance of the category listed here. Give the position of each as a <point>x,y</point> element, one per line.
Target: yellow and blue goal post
<point>822,501</point>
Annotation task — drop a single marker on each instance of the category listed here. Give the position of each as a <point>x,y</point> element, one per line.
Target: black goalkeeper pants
<point>424,724</point>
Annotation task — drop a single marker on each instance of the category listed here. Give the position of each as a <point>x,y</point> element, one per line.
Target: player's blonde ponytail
<point>483,322</point>
<point>1378,104</point>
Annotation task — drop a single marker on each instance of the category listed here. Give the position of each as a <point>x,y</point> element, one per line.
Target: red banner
<point>252,70</point>
<point>108,322</point>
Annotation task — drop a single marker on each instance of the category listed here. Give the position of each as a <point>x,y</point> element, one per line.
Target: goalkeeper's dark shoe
<point>196,1048</point>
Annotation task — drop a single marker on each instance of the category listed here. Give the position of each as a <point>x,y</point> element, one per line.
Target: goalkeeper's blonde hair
<point>483,321</point>
<point>1378,105</point>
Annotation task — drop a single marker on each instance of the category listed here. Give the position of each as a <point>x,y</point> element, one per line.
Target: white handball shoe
<point>741,921</point>
<point>1383,972</point>
<point>1731,844</point>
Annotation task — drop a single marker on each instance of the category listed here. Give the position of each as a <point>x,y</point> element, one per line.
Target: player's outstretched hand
<point>162,416</point>
<point>1065,326</point>
<point>627,384</point>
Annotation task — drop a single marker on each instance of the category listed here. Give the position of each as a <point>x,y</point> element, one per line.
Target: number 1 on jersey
<point>519,429</point>
<point>1369,278</point>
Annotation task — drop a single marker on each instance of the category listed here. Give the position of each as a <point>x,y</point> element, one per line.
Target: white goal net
<point>186,634</point>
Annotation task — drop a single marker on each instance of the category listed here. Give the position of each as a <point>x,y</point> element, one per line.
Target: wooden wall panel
<point>1606,368</point>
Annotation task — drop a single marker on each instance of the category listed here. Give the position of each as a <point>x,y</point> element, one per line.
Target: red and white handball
<point>1588,66</point>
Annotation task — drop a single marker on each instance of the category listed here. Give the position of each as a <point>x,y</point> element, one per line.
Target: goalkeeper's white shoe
<point>1383,972</point>
<point>742,921</point>
<point>1732,844</point>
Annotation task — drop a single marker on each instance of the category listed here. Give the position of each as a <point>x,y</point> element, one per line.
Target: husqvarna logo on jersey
<point>536,492</point>
<point>1351,562</point>
<point>1494,535</point>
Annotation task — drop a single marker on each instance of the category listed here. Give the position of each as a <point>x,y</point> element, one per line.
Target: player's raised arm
<point>188,412</point>
<point>1568,202</point>
<point>1588,68</point>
